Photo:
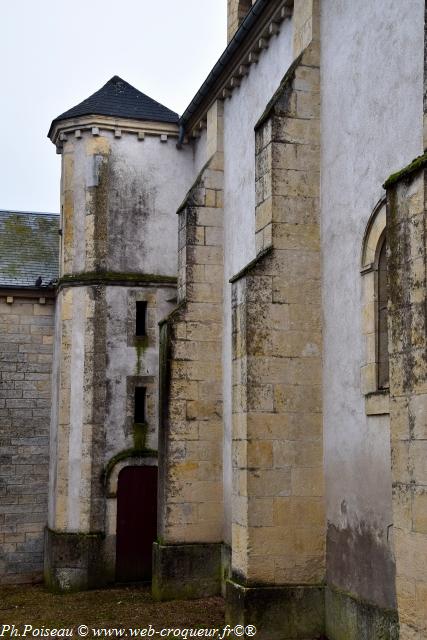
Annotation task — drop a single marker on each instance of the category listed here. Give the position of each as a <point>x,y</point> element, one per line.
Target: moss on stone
<point>77,534</point>
<point>418,163</point>
<point>124,455</point>
<point>140,435</point>
<point>277,611</point>
<point>253,263</point>
<point>74,560</point>
<point>186,571</point>
<point>351,618</point>
<point>19,234</point>
<point>141,344</point>
<point>112,277</point>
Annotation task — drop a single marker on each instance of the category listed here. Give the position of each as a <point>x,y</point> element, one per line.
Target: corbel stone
<point>253,57</point>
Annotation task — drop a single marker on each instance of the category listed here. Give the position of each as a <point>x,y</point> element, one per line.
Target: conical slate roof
<point>117,98</point>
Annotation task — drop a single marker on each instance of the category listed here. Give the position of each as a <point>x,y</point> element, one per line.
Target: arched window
<point>375,369</point>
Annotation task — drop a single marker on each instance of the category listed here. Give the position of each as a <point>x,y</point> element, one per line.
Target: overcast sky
<point>55,53</point>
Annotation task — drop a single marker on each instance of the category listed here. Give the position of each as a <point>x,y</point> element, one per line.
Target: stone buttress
<point>187,558</point>
<point>278,528</point>
<point>236,12</point>
<point>407,250</point>
<point>407,328</point>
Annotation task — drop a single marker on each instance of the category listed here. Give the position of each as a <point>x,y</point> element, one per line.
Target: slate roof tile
<point>118,98</point>
<point>29,248</point>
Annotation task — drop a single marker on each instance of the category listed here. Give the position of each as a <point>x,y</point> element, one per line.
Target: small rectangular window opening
<point>141,316</point>
<point>139,406</point>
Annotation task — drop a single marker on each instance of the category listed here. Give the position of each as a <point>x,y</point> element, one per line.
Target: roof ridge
<point>36,213</point>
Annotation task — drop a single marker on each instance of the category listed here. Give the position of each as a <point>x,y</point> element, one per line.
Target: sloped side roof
<point>118,98</point>
<point>29,248</point>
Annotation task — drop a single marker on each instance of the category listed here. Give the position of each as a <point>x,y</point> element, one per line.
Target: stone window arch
<point>374,374</point>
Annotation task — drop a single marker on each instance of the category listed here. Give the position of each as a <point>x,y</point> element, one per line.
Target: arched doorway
<point>136,523</point>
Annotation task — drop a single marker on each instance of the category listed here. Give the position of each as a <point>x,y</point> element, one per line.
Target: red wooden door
<point>136,523</point>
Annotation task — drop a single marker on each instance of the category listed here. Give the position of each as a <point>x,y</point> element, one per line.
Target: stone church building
<point>226,330</point>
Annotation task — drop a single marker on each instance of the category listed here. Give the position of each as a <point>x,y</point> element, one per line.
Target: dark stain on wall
<point>95,379</point>
<point>359,561</point>
<point>131,206</point>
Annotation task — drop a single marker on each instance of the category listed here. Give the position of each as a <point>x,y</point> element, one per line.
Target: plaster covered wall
<point>146,182</point>
<point>148,233</point>
<point>119,199</point>
<point>130,362</point>
<point>372,66</point>
<point>199,154</point>
<point>241,113</point>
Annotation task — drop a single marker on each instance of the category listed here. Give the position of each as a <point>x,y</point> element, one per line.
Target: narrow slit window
<point>141,319</point>
<point>139,407</point>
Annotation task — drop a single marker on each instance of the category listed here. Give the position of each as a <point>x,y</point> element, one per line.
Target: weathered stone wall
<point>236,12</point>
<point>306,24</point>
<point>191,490</point>
<point>119,193</point>
<point>425,81</point>
<point>135,187</point>
<point>26,338</point>
<point>406,223</point>
<point>278,528</point>
<point>241,113</point>
<point>192,466</point>
<point>278,489</point>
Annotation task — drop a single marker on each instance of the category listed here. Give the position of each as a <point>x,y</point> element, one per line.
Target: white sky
<point>55,53</point>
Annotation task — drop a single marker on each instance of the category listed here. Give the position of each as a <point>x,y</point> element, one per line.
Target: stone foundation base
<point>225,567</point>
<point>278,613</point>
<point>74,561</point>
<point>351,619</point>
<point>186,571</point>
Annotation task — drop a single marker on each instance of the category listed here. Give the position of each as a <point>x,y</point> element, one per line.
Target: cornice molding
<point>94,124</point>
<point>27,292</point>
<point>221,83</point>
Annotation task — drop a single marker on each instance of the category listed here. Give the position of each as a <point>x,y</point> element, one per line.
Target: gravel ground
<point>118,608</point>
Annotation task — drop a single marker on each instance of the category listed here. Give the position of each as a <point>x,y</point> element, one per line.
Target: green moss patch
<point>140,435</point>
<point>112,277</point>
<point>124,455</point>
<point>141,344</point>
<point>418,163</point>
